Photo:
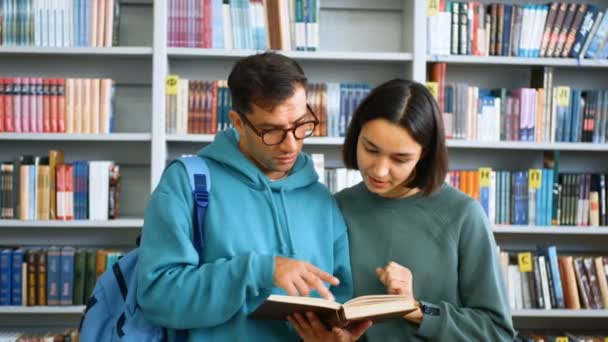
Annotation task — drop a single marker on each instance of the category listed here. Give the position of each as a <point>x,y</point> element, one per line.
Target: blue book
<point>32,193</point>
<point>6,263</point>
<point>598,38</point>
<point>550,253</point>
<point>581,35</point>
<point>344,94</point>
<point>506,31</point>
<point>16,278</point>
<point>571,130</point>
<point>66,276</point>
<point>217,30</point>
<point>53,275</point>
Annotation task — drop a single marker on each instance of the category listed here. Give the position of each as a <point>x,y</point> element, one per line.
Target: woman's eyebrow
<point>372,145</point>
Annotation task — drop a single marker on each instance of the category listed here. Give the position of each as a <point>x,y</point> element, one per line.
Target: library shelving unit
<point>130,65</point>
<point>361,41</point>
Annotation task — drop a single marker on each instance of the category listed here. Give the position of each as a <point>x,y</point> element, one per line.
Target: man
<point>271,227</point>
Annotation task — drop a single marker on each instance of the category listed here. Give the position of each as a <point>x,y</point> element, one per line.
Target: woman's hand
<point>310,329</point>
<point>399,280</point>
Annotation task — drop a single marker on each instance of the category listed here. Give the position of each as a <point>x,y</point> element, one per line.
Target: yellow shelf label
<point>432,8</point>
<point>433,88</point>
<point>561,339</point>
<point>171,85</point>
<point>484,176</point>
<point>563,96</point>
<point>524,260</point>
<point>534,178</point>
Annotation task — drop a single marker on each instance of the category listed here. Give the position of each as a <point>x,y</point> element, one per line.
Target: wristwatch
<point>428,310</point>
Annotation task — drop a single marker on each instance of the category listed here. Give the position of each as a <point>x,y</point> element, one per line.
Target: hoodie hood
<point>225,150</point>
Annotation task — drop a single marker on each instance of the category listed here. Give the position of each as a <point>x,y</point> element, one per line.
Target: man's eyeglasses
<point>276,136</point>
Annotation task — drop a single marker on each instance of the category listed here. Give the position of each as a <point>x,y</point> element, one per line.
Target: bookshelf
<point>80,51</point>
<point>501,60</point>
<point>395,48</point>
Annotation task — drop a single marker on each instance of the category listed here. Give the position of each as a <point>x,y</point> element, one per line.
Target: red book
<point>2,104</point>
<point>46,105</point>
<point>25,105</point>
<point>33,84</point>
<point>214,108</point>
<point>208,39</point>
<point>54,104</point>
<point>16,95</point>
<point>60,191</point>
<point>61,105</point>
<point>8,105</point>
<point>69,192</point>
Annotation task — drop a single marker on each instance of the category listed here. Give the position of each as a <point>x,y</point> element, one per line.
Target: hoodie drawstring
<point>288,226</point>
<point>283,247</point>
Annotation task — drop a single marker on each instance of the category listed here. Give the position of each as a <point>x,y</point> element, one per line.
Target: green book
<point>90,275</point>
<point>79,277</point>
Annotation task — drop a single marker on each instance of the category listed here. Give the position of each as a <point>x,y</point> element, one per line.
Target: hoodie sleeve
<point>485,313</point>
<point>342,270</point>
<point>172,290</point>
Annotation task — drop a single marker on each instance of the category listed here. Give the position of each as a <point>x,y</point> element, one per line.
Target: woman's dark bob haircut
<point>409,105</point>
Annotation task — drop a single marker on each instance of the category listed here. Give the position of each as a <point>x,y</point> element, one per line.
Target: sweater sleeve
<point>484,314</point>
<point>172,290</point>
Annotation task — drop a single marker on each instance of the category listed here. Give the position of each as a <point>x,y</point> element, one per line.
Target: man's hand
<point>311,329</point>
<point>300,277</point>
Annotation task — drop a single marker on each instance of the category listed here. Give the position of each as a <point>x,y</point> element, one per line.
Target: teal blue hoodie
<point>249,221</point>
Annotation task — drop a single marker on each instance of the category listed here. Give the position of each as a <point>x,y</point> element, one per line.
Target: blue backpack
<point>112,313</point>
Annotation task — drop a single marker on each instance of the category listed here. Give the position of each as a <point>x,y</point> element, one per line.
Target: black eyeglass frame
<point>262,133</point>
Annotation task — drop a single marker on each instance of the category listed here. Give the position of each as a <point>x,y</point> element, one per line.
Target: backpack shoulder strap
<point>200,183</point>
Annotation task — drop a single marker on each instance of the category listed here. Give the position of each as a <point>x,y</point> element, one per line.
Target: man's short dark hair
<point>411,106</point>
<point>265,79</point>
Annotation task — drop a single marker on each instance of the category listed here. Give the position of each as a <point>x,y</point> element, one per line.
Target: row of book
<point>543,280</point>
<point>558,29</point>
<point>244,24</point>
<point>555,336</point>
<point>56,105</point>
<point>59,23</point>
<point>541,197</point>
<point>202,107</point>
<point>70,335</point>
<point>542,113</point>
<point>335,179</point>
<point>52,275</point>
<point>47,188</point>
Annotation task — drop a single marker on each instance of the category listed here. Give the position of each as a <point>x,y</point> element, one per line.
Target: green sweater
<point>446,241</point>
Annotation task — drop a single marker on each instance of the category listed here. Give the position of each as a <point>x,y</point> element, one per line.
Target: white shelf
<point>521,145</point>
<point>119,223</point>
<point>550,230</point>
<point>76,137</point>
<point>190,137</point>
<point>503,60</point>
<point>54,310</point>
<point>299,55</point>
<point>78,51</point>
<point>323,141</point>
<point>559,313</point>
<point>500,145</point>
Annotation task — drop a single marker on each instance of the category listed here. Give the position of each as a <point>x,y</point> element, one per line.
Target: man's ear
<point>237,122</point>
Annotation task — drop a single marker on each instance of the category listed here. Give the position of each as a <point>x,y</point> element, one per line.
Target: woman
<point>412,234</point>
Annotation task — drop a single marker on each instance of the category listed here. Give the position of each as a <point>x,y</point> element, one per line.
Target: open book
<point>375,308</point>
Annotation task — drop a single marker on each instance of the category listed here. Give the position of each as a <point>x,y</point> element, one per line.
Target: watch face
<point>428,310</point>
